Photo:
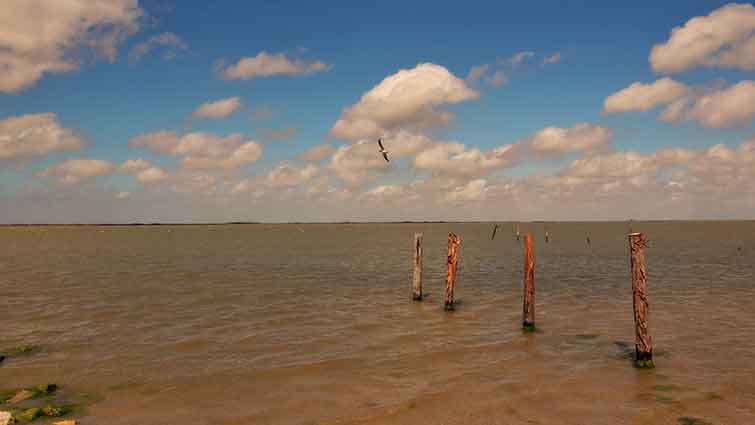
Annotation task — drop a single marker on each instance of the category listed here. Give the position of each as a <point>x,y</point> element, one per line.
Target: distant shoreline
<point>367,222</point>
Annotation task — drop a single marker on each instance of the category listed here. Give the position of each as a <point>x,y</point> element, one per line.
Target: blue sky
<point>604,47</point>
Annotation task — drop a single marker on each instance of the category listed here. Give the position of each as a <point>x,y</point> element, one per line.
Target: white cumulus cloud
<point>643,97</point>
<point>26,137</point>
<point>316,153</point>
<point>38,37</point>
<point>582,137</point>
<point>408,99</point>
<point>218,109</point>
<point>268,64</point>
<point>724,38</point>
<point>202,151</point>
<point>73,171</point>
<point>726,107</point>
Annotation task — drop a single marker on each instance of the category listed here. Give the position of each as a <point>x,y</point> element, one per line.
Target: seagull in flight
<point>383,151</point>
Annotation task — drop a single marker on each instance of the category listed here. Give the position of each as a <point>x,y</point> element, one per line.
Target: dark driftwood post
<point>417,279</point>
<point>642,344</point>
<point>528,309</point>
<point>451,260</point>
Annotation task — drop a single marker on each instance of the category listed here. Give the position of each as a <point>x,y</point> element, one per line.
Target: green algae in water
<point>38,391</point>
<point>664,399</point>
<point>7,395</point>
<point>689,420</point>
<point>644,364</point>
<point>585,337</point>
<point>50,411</point>
<point>664,388</point>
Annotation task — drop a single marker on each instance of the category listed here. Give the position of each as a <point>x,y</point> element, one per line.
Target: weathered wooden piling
<point>451,261</point>
<point>417,279</point>
<point>528,306</point>
<point>642,342</point>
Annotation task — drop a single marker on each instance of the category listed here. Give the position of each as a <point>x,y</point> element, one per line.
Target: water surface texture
<point>314,324</point>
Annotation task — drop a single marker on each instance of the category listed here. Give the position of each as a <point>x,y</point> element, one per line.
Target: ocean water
<point>314,323</point>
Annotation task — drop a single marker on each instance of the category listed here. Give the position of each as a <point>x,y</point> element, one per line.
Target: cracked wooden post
<point>642,343</point>
<point>528,305</point>
<point>417,279</point>
<point>451,261</point>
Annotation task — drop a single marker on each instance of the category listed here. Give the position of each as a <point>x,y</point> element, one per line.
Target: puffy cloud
<point>556,141</point>
<point>553,58</point>
<point>38,37</point>
<point>26,137</point>
<point>195,182</point>
<point>614,165</point>
<point>474,190</point>
<point>454,159</point>
<point>643,97</point>
<point>316,153</point>
<point>273,134</point>
<point>145,172</point>
<point>245,185</point>
<point>202,151</point>
<point>169,40</point>
<point>725,38</point>
<point>267,64</point>
<point>711,107</point>
<point>132,165</point>
<point>287,175</point>
<point>726,107</point>
<point>408,100</point>
<point>151,175</point>
<point>386,191</point>
<point>218,109</point>
<point>354,162</point>
<point>75,171</point>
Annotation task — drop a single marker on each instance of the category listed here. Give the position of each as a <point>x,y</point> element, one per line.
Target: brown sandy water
<point>279,324</point>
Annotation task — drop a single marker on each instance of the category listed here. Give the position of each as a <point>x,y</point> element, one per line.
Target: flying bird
<point>383,151</point>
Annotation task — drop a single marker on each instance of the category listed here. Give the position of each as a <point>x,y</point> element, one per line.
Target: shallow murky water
<point>314,324</point>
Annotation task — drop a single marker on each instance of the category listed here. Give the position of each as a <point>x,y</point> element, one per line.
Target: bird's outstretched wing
<point>380,143</point>
<point>385,155</point>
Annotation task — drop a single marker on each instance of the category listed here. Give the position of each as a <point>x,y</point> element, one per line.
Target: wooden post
<point>642,344</point>
<point>528,308</point>
<point>451,261</point>
<point>417,280</point>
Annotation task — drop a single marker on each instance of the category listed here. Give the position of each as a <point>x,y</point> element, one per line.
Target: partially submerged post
<point>417,279</point>
<point>642,342</point>
<point>451,261</point>
<point>528,309</point>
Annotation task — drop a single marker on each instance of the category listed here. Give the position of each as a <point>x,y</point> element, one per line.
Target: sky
<point>118,111</point>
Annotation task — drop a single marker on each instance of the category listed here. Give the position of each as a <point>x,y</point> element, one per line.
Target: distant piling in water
<point>528,305</point>
<point>642,341</point>
<point>417,278</point>
<point>451,262</point>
